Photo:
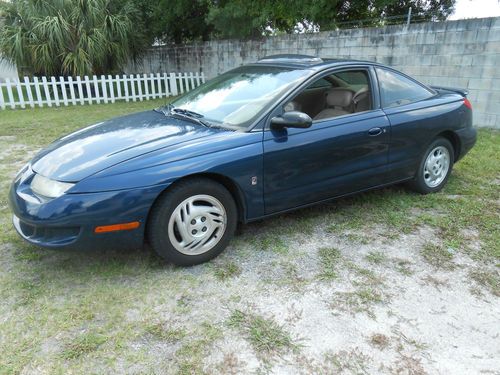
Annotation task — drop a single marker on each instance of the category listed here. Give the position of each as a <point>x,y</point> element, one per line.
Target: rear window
<point>397,90</point>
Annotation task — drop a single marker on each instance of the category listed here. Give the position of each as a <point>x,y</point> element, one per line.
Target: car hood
<point>100,146</point>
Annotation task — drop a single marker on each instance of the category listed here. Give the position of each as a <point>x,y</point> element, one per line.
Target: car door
<point>333,157</point>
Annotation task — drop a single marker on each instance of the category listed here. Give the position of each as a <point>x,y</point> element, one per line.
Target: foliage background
<point>77,37</point>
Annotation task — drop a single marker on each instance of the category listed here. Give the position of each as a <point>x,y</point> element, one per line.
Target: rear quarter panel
<point>415,125</point>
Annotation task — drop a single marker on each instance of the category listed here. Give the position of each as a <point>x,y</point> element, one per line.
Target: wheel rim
<point>197,224</point>
<point>436,166</point>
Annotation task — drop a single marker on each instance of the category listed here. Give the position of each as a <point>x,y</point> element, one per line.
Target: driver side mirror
<point>292,119</point>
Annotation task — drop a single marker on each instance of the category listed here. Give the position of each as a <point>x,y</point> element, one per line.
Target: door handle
<point>375,131</point>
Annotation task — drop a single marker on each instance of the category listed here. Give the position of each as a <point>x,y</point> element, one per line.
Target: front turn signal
<point>117,227</point>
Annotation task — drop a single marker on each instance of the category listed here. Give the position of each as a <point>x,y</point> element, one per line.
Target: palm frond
<point>70,37</point>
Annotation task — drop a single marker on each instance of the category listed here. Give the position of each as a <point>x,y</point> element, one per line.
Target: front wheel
<point>435,167</point>
<point>192,222</point>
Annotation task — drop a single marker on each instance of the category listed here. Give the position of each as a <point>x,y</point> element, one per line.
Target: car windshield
<point>235,99</point>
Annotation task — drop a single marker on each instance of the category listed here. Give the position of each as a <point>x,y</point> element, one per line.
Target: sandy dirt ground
<point>336,301</point>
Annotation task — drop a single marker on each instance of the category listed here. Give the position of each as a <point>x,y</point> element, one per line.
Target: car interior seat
<point>338,102</point>
<point>362,100</point>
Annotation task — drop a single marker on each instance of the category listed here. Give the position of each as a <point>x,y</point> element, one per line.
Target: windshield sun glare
<point>239,96</point>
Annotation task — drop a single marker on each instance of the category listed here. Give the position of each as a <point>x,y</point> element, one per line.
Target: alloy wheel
<point>436,166</point>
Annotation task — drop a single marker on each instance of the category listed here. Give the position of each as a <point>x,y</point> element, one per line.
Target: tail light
<point>467,103</point>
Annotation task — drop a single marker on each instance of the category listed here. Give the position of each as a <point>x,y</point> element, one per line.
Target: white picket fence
<point>52,91</point>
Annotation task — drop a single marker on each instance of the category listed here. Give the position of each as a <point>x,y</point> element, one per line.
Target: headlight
<point>49,188</point>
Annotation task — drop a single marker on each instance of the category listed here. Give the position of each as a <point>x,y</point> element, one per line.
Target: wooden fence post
<point>29,93</point>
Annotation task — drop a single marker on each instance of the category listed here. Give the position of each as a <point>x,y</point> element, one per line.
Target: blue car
<point>282,133</point>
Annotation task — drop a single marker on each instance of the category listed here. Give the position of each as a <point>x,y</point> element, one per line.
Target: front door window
<point>337,94</point>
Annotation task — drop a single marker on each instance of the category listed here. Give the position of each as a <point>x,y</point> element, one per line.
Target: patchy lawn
<point>387,281</point>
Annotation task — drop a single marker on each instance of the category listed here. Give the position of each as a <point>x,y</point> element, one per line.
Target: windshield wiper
<point>166,110</point>
<point>186,112</point>
<point>192,118</point>
<point>170,110</point>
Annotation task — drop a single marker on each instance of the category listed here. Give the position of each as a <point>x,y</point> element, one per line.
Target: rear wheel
<point>435,167</point>
<point>192,222</point>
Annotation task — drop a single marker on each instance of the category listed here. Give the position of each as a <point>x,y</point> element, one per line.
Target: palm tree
<point>67,37</point>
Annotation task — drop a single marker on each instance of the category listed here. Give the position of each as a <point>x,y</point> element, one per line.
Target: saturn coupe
<point>285,132</point>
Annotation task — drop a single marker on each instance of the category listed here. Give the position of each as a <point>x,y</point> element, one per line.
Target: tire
<point>192,222</point>
<point>435,167</point>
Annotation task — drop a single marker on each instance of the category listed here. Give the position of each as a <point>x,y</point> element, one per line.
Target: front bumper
<point>69,221</point>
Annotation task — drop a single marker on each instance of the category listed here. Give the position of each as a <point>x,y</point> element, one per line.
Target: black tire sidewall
<point>419,182</point>
<point>165,206</point>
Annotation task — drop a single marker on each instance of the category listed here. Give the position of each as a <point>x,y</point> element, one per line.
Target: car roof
<point>297,61</point>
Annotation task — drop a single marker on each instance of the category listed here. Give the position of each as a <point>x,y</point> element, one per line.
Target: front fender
<point>242,164</point>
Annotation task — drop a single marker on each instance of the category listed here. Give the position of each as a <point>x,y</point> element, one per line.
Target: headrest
<point>292,106</point>
<point>360,94</point>
<point>339,97</point>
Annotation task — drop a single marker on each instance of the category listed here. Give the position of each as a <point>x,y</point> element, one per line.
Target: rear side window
<point>396,89</point>
<point>353,77</point>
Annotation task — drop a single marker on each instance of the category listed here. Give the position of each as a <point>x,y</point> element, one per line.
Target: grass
<point>272,243</point>
<point>291,277</point>
<point>438,256</point>
<point>268,338</point>
<point>348,362</point>
<point>226,270</point>
<point>369,290</point>
<point>359,301</point>
<point>40,126</point>
<point>190,355</point>
<point>69,312</point>
<point>160,332</point>
<point>329,258</point>
<point>403,266</point>
<point>487,278</point>
<point>376,257</point>
<point>84,343</point>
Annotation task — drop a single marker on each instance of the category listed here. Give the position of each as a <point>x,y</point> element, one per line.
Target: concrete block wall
<point>464,53</point>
